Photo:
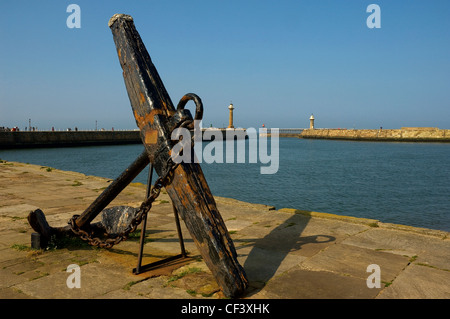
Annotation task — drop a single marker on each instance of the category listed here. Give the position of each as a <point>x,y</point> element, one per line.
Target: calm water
<point>403,183</point>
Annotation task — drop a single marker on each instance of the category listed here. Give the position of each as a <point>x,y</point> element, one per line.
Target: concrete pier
<point>286,253</point>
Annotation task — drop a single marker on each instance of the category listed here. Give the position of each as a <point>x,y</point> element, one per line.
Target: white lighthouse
<point>311,122</point>
<point>231,108</point>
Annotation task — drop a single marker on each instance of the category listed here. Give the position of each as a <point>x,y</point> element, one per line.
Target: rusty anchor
<point>156,117</point>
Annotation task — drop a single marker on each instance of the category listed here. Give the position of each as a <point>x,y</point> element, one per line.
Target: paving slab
<point>17,211</point>
<point>96,280</point>
<point>434,250</point>
<point>354,261</point>
<point>304,284</point>
<point>261,264</point>
<point>419,282</point>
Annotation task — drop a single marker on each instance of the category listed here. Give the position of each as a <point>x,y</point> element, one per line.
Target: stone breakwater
<point>405,134</point>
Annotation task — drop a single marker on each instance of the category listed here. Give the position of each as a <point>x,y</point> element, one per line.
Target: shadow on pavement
<point>279,250</point>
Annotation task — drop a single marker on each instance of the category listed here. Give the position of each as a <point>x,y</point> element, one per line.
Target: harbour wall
<point>405,134</point>
<point>36,139</point>
<point>282,132</point>
<point>39,139</point>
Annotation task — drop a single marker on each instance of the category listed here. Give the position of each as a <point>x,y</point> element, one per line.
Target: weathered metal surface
<point>189,191</point>
<point>38,222</point>
<point>116,219</point>
<point>36,241</point>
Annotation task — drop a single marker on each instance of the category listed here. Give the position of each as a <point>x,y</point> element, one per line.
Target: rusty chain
<point>141,214</point>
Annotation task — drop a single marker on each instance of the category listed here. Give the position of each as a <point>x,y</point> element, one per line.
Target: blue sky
<point>277,61</point>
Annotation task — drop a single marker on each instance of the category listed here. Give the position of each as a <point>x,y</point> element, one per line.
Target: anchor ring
<point>198,104</point>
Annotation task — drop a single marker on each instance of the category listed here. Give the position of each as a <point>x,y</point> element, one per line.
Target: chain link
<point>140,215</point>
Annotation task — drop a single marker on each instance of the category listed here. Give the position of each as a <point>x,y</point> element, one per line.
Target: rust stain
<point>139,119</point>
<point>148,118</point>
<point>182,186</point>
<point>166,108</point>
<point>141,98</point>
<point>151,115</point>
<point>170,113</point>
<point>151,137</point>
